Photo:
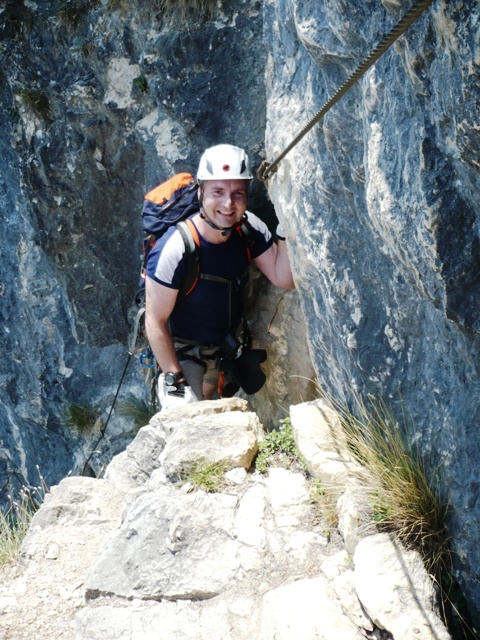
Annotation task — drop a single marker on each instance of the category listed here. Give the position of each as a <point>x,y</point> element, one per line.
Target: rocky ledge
<point>142,553</point>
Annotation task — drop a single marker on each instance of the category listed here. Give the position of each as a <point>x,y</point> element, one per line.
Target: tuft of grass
<point>206,476</point>
<point>14,523</point>
<point>15,520</point>
<point>324,501</point>
<point>185,10</point>
<point>405,495</point>
<point>325,504</point>
<point>279,449</point>
<point>140,83</point>
<point>137,410</point>
<point>70,12</point>
<point>37,100</point>
<point>83,418</point>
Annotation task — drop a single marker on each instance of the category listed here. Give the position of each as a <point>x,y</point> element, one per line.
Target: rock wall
<point>101,100</point>
<point>45,365</point>
<point>379,205</point>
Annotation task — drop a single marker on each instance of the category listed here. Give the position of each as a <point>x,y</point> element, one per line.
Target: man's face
<point>225,201</point>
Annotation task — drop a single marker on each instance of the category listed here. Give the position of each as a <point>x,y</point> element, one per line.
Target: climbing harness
<point>268,168</point>
<point>147,359</point>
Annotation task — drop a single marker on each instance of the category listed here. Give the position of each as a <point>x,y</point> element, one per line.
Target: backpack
<point>171,204</point>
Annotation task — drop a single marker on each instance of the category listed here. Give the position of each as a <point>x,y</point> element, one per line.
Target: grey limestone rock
<point>378,202</point>
<point>105,560</point>
<point>379,205</point>
<point>230,438</point>
<point>394,584</point>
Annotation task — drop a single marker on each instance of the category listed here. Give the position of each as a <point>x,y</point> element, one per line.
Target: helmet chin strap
<point>225,230</point>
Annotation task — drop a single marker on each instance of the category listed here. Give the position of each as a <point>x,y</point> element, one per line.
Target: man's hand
<point>175,384</point>
<point>174,395</point>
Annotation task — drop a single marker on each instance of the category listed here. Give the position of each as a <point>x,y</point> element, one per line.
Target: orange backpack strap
<point>245,231</point>
<point>221,384</point>
<point>193,231</point>
<point>191,240</point>
<point>164,191</point>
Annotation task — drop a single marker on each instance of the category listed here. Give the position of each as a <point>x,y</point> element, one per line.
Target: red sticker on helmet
<point>226,167</point>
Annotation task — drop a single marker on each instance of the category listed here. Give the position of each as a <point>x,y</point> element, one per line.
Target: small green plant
<point>37,100</point>
<point>82,417</point>
<point>182,10</point>
<point>206,476</point>
<point>70,12</point>
<point>279,449</point>
<point>141,84</point>
<point>15,520</point>
<point>137,410</point>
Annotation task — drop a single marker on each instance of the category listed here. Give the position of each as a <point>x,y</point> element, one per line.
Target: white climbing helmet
<point>224,162</point>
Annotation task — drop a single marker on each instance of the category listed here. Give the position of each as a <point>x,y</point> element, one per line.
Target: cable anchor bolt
<point>265,169</point>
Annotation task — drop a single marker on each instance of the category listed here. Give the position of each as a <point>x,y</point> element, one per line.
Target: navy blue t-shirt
<point>203,316</point>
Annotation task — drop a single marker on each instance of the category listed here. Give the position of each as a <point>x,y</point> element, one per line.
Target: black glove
<point>178,390</point>
<point>175,384</point>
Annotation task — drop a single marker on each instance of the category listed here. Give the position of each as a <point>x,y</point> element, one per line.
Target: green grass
<point>14,523</point>
<point>70,12</point>
<point>406,499</point>
<point>206,476</point>
<point>15,520</point>
<point>405,494</point>
<point>82,418</point>
<point>140,83</point>
<point>137,410</point>
<point>325,502</point>
<point>279,449</point>
<point>37,101</point>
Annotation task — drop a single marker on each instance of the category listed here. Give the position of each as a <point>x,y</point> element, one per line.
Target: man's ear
<point>200,196</point>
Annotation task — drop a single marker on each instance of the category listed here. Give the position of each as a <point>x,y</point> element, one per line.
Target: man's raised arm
<point>275,264</point>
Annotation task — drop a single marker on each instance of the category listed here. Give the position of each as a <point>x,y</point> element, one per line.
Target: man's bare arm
<point>159,304</point>
<point>275,264</point>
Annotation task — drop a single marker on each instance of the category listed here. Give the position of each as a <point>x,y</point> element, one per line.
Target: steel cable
<point>409,18</point>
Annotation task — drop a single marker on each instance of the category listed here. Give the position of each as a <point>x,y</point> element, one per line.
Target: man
<point>185,334</point>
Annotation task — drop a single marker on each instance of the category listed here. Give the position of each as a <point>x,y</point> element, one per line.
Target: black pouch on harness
<point>241,367</point>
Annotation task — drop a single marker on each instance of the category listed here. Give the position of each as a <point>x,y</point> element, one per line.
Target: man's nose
<point>228,202</point>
